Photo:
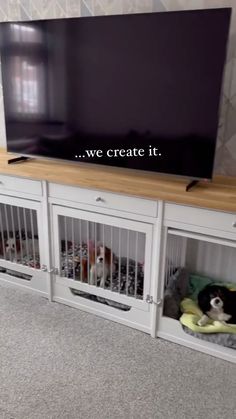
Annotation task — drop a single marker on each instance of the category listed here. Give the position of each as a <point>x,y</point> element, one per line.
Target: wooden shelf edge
<point>219,194</point>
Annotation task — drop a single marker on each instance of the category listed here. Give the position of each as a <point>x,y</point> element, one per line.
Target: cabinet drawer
<point>21,185</point>
<point>104,199</point>
<point>210,219</point>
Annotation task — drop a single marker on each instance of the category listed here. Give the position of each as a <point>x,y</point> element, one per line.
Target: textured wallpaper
<point>225,162</point>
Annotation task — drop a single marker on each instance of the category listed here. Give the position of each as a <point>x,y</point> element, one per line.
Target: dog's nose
<point>217,300</point>
<point>100,259</point>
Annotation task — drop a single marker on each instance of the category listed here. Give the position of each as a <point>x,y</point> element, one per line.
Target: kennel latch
<point>54,271</point>
<point>149,300</point>
<point>44,268</point>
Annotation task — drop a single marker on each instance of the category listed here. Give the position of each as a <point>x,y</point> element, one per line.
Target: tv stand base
<point>191,184</point>
<point>17,159</point>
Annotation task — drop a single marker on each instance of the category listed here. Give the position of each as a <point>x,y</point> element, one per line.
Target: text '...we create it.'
<point>121,152</point>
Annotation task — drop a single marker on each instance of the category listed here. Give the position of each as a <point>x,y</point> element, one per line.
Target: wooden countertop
<point>218,194</point>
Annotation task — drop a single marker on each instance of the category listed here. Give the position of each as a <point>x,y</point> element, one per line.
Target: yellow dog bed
<point>191,315</point>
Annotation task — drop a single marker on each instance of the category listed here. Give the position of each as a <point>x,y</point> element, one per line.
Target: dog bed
<point>224,339</point>
<point>71,269</point>
<point>191,315</point>
<point>213,332</point>
<point>180,303</point>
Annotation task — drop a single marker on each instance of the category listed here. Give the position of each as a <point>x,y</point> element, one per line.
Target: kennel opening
<point>101,255</point>
<point>19,242</point>
<point>192,262</point>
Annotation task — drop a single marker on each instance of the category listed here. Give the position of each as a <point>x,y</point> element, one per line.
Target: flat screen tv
<point>138,91</point>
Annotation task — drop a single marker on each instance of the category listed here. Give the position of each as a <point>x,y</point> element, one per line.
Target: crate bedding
<point>180,302</point>
<point>70,268</point>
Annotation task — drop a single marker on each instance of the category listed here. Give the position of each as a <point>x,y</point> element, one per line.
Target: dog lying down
<point>217,303</point>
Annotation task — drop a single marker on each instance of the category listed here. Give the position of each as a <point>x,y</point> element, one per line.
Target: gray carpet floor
<point>61,363</point>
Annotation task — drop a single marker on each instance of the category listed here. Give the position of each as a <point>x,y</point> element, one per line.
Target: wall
<point>225,162</point>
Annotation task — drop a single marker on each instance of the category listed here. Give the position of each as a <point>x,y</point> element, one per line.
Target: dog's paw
<point>203,321</point>
<point>224,317</point>
<point>219,323</point>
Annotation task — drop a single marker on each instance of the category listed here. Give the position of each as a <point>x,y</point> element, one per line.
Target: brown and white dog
<point>101,268</point>
<point>101,265</point>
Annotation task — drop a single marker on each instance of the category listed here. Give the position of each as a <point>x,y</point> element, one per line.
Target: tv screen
<point>138,91</point>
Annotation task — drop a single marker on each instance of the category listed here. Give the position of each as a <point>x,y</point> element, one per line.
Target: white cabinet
<point>14,186</point>
<point>199,248</point>
<point>102,201</point>
<point>103,264</point>
<point>22,247</point>
<point>111,254</point>
<point>212,222</point>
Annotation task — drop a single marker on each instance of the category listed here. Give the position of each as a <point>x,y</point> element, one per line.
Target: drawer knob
<point>234,224</point>
<point>99,199</point>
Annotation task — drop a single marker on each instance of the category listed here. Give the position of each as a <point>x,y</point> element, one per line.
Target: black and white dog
<point>217,303</point>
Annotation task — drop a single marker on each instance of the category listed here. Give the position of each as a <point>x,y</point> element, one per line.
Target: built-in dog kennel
<point>193,261</point>
<point>20,244</point>
<point>100,265</point>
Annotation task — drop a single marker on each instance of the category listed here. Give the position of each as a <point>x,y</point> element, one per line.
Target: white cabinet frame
<point>111,221</point>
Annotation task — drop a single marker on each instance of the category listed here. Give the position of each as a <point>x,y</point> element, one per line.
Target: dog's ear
<point>91,245</point>
<point>84,267</point>
<point>204,300</point>
<point>17,245</point>
<point>90,252</point>
<point>225,294</point>
<point>107,255</point>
